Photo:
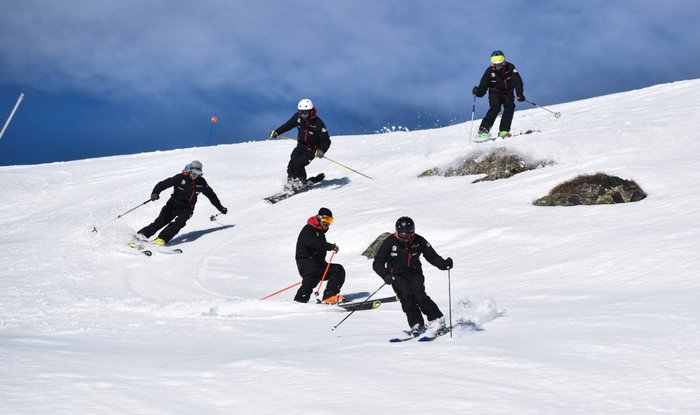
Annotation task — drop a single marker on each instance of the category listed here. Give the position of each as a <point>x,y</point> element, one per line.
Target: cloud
<point>368,63</point>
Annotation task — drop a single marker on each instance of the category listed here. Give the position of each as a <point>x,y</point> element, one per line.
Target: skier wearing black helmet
<point>186,185</point>
<point>398,263</point>
<point>313,141</point>
<point>501,78</point>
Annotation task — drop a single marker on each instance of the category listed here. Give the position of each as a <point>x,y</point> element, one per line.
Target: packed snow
<point>586,309</point>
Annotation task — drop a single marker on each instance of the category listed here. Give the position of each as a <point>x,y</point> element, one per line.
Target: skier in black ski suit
<point>313,140</point>
<point>500,79</point>
<point>398,263</point>
<point>311,260</point>
<point>180,207</point>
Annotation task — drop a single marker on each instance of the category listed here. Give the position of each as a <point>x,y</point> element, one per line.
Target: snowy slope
<point>590,309</point>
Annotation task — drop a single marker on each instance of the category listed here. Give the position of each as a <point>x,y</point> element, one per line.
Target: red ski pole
<point>324,274</point>
<point>283,289</point>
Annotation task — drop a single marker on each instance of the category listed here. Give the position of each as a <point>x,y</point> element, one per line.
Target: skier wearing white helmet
<point>313,141</point>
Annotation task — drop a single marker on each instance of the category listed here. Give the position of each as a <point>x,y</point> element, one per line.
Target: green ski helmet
<point>497,57</point>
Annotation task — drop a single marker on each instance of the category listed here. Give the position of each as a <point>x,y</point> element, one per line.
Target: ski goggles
<point>326,219</point>
<point>498,59</point>
<point>406,236</point>
<point>304,113</point>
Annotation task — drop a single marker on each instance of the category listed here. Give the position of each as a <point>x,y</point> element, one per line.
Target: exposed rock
<point>371,250</point>
<point>595,189</point>
<point>499,164</point>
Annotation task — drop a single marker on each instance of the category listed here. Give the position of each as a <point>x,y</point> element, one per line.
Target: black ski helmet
<point>405,225</point>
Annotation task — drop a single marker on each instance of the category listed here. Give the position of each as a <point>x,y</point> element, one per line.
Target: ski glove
<point>475,90</point>
<point>319,153</point>
<point>388,278</point>
<point>154,197</point>
<point>521,98</point>
<point>273,134</point>
<point>223,210</point>
<point>336,248</point>
<point>448,264</point>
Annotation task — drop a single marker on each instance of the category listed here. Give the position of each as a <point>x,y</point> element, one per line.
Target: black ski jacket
<point>501,81</point>
<point>311,134</point>
<point>398,257</point>
<point>312,247</point>
<point>186,190</point>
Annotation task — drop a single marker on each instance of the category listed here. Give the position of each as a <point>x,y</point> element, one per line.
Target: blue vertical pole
<point>214,119</point>
<point>211,132</point>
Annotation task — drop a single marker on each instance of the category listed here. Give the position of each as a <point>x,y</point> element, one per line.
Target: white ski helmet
<point>305,104</point>
<point>195,167</point>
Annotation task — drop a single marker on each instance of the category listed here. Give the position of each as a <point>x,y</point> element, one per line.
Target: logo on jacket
<point>393,248</point>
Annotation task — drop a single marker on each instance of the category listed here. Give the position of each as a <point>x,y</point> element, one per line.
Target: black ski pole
<point>471,128</point>
<point>133,209</point>
<point>94,228</point>
<point>353,311</point>
<point>449,296</point>
<point>556,114</point>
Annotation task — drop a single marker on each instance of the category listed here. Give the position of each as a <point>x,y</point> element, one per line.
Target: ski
<point>526,132</point>
<point>402,339</point>
<point>430,336</point>
<point>286,194</point>
<point>411,336</point>
<point>367,305</point>
<point>148,249</point>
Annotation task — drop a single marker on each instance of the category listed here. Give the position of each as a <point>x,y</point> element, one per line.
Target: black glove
<point>223,210</point>
<point>448,263</point>
<point>388,278</point>
<point>273,134</point>
<point>475,90</point>
<point>319,153</point>
<point>154,197</point>
<point>521,98</point>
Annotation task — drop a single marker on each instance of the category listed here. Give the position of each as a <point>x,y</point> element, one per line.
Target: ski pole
<point>353,311</point>
<point>556,114</point>
<point>132,209</point>
<point>277,292</point>
<point>324,274</point>
<point>449,296</point>
<point>471,128</point>
<point>342,165</point>
<point>94,228</point>
<point>331,160</point>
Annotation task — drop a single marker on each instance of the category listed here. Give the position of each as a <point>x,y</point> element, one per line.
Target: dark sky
<point>106,77</point>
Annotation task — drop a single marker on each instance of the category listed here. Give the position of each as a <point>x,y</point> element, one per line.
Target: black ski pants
<point>414,300</point>
<point>497,100</point>
<point>173,216</point>
<point>311,278</point>
<point>299,159</point>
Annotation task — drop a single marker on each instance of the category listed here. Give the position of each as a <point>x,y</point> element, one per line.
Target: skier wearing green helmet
<point>500,79</point>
